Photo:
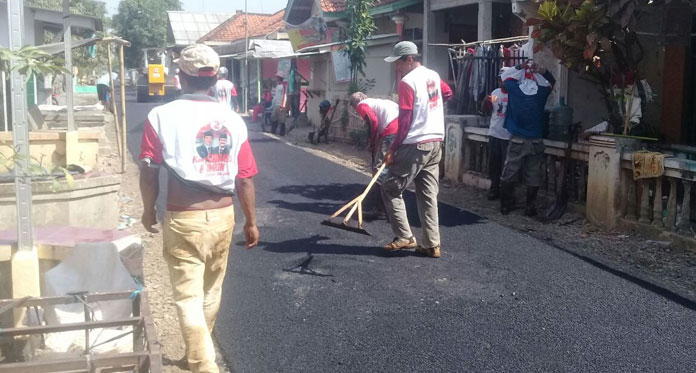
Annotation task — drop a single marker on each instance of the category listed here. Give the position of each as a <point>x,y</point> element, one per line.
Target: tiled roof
<point>187,27</point>
<point>233,28</point>
<point>332,6</point>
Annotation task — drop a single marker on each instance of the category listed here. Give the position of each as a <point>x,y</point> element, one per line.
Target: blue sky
<point>228,6</point>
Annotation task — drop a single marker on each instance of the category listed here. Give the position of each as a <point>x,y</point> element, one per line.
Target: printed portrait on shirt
<point>212,149</point>
<point>433,94</point>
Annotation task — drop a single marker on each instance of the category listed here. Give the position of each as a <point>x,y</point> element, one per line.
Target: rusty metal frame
<point>146,355</point>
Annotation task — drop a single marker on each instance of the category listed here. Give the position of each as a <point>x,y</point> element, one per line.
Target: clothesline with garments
<point>475,67</point>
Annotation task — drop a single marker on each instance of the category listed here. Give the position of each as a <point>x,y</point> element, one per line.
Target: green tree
<point>597,39</point>
<point>360,28</point>
<point>144,24</point>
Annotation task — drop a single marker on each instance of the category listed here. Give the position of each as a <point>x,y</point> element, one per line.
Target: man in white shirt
<point>495,105</point>
<point>199,220</point>
<point>103,87</point>
<point>224,91</point>
<point>417,149</point>
<point>278,112</point>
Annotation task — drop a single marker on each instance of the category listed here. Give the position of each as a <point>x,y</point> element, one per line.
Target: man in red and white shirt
<point>198,223</point>
<point>417,149</point>
<point>382,120</point>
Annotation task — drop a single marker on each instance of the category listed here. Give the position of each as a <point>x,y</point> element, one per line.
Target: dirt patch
<point>659,263</point>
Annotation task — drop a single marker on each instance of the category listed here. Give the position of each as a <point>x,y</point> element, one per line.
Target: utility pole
<point>20,131</point>
<point>246,56</point>
<point>67,42</point>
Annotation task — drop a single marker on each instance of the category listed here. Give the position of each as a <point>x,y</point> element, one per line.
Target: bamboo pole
<point>123,110</point>
<point>111,101</point>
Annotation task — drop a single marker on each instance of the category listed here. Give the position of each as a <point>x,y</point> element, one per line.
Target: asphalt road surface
<point>317,299</point>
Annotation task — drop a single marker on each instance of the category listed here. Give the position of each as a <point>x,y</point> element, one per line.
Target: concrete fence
<point>601,183</point>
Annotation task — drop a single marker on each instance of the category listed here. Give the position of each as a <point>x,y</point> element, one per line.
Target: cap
<point>324,104</point>
<point>198,60</point>
<point>223,70</point>
<point>280,74</point>
<point>402,48</point>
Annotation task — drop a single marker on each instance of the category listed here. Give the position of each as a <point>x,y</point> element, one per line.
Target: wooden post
<point>123,111</point>
<point>111,102</point>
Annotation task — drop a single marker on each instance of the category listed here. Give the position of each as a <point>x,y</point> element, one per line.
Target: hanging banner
<point>313,31</point>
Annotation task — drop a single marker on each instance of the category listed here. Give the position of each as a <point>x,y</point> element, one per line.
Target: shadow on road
<point>313,245</point>
<point>450,216</point>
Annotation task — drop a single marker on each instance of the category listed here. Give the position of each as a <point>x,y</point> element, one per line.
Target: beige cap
<point>198,60</point>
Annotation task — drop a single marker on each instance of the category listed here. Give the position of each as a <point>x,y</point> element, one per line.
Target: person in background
<point>103,88</point>
<point>199,221</point>
<point>382,120</point>
<point>528,87</point>
<point>177,83</point>
<point>495,105</point>
<point>223,91</point>
<point>417,149</point>
<point>294,87</point>
<point>278,109</point>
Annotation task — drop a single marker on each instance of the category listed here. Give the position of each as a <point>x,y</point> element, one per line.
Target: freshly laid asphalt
<point>317,299</point>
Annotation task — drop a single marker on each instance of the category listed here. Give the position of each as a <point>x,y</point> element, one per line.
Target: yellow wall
<point>48,148</point>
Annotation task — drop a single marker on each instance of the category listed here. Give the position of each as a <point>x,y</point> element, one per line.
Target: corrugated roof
<point>233,28</point>
<point>187,27</point>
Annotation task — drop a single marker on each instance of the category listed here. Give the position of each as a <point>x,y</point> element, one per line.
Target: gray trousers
<point>524,156</point>
<point>417,163</point>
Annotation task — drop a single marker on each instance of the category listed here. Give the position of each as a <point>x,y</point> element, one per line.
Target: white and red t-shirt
<point>422,92</point>
<point>222,91</point>
<point>200,140</point>
<point>499,100</point>
<point>383,116</point>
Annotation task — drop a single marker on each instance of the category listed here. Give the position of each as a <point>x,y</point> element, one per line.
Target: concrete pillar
<point>428,18</point>
<point>72,147</point>
<point>25,279</point>
<point>604,182</point>
<point>454,139</point>
<point>485,20</point>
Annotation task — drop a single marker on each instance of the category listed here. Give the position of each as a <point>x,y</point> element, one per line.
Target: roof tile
<point>233,28</point>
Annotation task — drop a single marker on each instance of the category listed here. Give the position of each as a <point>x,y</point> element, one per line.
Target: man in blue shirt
<point>524,120</point>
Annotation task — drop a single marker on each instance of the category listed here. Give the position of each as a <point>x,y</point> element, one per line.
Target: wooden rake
<point>355,204</point>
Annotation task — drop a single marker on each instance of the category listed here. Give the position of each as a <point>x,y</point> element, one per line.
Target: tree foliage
<point>360,28</point>
<point>595,38</point>
<point>30,60</point>
<point>144,24</point>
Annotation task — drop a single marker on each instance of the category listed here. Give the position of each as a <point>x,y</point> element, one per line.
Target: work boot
<point>433,252</point>
<point>401,243</point>
<point>530,209</point>
<point>507,198</point>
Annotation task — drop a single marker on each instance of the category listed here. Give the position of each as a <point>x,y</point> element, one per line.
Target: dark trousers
<point>497,151</point>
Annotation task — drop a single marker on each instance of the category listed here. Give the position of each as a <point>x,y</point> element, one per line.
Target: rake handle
<point>358,201</point>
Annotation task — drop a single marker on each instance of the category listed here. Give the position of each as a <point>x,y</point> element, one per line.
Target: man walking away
<point>495,105</point>
<point>198,223</point>
<point>223,91</point>
<point>528,89</point>
<point>417,149</point>
<point>103,88</point>
<point>382,120</point>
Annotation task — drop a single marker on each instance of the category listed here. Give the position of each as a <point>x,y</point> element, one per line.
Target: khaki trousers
<point>196,246</point>
<point>417,163</point>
